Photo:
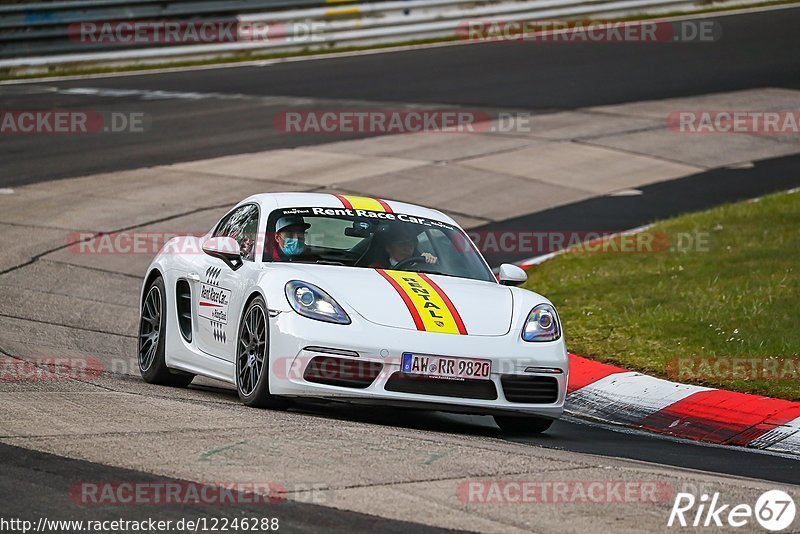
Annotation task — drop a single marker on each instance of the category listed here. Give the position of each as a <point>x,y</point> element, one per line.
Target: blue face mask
<point>293,246</point>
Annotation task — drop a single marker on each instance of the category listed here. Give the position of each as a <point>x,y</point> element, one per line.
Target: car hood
<point>411,301</point>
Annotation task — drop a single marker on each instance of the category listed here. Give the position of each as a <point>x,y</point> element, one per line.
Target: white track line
<point>388,50</point>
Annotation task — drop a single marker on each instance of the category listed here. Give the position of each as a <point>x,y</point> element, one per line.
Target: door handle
<point>193,277</point>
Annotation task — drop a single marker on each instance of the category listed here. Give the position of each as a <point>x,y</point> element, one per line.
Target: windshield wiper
<point>450,275</point>
<point>425,271</point>
<point>329,262</point>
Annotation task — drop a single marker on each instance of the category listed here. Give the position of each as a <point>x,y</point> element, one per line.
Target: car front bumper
<point>292,335</point>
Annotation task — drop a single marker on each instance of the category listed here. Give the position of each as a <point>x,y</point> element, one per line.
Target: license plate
<point>446,367</point>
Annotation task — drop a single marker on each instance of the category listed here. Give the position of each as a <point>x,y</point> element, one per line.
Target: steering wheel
<point>411,260</point>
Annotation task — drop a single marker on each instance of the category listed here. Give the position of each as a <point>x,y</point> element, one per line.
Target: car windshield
<point>369,239</point>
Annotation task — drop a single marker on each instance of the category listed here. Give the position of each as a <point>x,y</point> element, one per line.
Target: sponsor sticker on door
<point>214,303</point>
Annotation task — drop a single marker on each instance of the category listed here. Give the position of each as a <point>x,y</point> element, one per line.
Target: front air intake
<point>342,372</point>
<point>530,389</point>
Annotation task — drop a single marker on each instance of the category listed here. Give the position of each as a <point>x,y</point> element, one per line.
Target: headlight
<point>542,324</point>
<point>312,302</point>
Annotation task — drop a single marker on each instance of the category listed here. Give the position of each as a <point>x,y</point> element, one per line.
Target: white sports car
<point>354,299</point>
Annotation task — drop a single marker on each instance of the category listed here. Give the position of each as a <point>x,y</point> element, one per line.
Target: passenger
<point>290,240</point>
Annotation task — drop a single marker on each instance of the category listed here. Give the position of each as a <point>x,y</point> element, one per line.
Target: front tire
<point>522,426</point>
<point>152,339</point>
<point>252,358</point>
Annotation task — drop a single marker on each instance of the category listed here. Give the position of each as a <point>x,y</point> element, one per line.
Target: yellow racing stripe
<point>364,203</point>
<point>429,306</point>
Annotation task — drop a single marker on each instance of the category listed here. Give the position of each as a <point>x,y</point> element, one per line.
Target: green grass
<point>737,295</point>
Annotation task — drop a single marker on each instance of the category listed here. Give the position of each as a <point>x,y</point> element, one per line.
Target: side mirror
<point>225,248</point>
<point>512,275</point>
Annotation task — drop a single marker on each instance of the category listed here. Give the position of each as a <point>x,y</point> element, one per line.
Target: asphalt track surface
<point>236,114</point>
<point>577,436</point>
<point>658,201</point>
<point>758,49</point>
<point>36,485</point>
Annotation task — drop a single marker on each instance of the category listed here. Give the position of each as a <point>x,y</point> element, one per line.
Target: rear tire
<point>522,426</point>
<point>252,358</point>
<point>152,339</point>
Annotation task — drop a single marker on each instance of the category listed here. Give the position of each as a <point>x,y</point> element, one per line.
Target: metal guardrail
<point>43,34</point>
<point>55,13</point>
<point>44,28</point>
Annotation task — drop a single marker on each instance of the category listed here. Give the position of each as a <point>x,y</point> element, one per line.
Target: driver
<point>290,240</point>
<point>401,246</point>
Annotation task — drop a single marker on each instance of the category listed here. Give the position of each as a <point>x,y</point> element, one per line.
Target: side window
<point>242,225</point>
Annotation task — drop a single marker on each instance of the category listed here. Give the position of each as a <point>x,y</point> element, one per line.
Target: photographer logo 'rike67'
<point>774,510</point>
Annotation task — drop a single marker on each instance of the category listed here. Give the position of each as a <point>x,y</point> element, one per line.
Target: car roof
<point>272,201</point>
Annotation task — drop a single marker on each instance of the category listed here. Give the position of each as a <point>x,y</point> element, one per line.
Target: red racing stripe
<point>384,205</point>
<point>583,372</point>
<point>447,302</point>
<point>719,416</point>
<point>410,305</point>
<point>344,201</point>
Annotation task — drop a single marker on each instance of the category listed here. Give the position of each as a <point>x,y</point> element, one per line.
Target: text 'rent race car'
<point>356,299</point>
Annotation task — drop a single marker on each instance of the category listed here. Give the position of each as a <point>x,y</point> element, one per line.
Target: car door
<point>219,292</point>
